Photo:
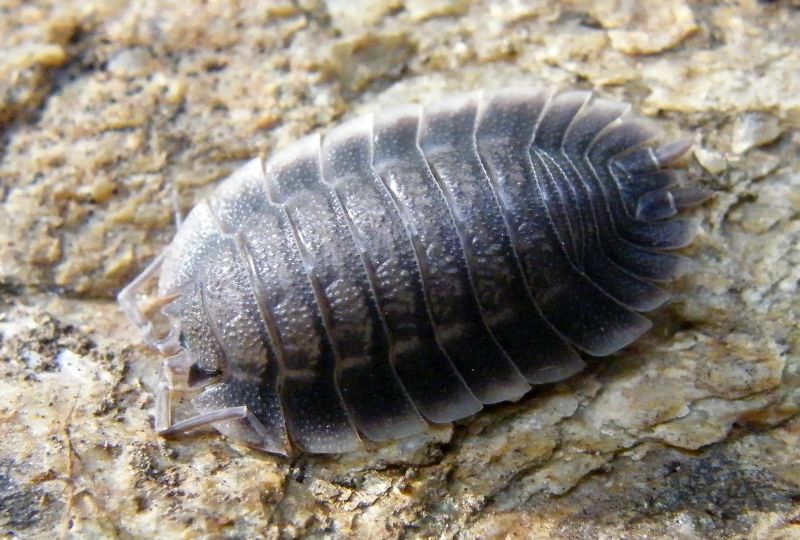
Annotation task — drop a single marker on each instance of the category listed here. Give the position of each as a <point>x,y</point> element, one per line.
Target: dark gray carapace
<point>412,266</point>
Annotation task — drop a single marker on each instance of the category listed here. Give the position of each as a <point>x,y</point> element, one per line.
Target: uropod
<point>412,266</point>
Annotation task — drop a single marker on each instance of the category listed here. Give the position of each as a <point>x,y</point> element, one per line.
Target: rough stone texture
<point>108,109</point>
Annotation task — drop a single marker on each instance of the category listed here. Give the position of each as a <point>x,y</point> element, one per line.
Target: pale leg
<point>201,420</point>
<point>176,366</point>
<point>128,302</point>
<point>227,414</point>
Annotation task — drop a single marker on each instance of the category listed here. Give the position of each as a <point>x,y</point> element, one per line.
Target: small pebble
<point>130,63</point>
<point>752,130</point>
<point>713,162</point>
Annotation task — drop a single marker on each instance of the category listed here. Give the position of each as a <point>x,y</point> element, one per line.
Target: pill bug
<point>412,266</point>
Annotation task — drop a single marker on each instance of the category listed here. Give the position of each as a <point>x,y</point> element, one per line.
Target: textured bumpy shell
<point>418,263</point>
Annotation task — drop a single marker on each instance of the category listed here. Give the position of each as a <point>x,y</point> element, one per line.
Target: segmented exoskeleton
<point>414,265</point>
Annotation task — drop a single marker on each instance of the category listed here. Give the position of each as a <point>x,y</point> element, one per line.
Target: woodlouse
<point>414,265</point>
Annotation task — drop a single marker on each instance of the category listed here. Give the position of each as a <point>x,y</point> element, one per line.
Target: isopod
<point>412,266</point>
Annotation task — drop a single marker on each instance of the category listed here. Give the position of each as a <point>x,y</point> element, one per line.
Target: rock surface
<point>108,109</point>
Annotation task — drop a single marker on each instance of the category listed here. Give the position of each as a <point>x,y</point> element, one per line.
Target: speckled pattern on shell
<point>416,264</point>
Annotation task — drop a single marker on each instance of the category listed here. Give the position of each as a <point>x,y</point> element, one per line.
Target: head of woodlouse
<point>193,342</point>
<point>202,360</point>
<point>213,350</point>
